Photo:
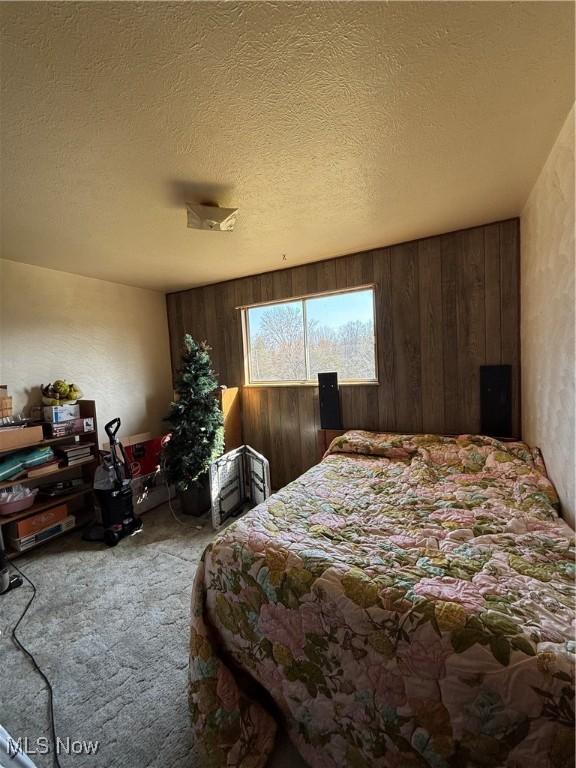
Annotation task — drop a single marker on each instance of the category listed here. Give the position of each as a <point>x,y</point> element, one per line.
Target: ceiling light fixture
<point>209,216</point>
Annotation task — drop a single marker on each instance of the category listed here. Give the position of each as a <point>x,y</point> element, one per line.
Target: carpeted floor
<point>110,629</point>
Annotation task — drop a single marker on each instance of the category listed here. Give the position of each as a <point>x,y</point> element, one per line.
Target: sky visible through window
<point>339,335</point>
<point>341,308</point>
<point>333,310</point>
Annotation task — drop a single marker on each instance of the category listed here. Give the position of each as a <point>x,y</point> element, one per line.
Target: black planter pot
<point>196,500</point>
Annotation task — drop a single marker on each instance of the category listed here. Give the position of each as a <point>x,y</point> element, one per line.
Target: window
<point>293,341</point>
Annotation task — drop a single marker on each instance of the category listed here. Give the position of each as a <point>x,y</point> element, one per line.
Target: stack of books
<point>42,469</point>
<point>74,454</point>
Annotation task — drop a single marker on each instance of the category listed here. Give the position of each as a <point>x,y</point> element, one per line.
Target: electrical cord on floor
<point>171,508</point>
<point>25,650</point>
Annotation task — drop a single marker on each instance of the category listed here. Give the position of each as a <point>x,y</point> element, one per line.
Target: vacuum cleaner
<point>113,491</point>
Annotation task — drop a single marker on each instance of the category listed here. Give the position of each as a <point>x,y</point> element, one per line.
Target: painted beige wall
<point>548,317</point>
<point>110,339</point>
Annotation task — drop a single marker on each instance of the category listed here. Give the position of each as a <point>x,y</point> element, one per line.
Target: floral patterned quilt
<point>409,601</point>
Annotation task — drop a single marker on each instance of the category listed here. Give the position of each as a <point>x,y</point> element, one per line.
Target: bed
<point>409,601</point>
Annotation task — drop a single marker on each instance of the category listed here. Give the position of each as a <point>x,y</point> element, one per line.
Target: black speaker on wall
<point>496,400</point>
<point>329,396</point>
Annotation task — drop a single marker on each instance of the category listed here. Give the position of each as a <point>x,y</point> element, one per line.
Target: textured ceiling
<point>334,127</point>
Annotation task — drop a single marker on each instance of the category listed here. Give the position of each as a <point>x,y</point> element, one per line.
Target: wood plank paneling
<point>266,282</point>
<point>326,275</point>
<point>282,284</point>
<point>175,328</point>
<point>309,424</point>
<point>359,405</point>
<point>406,337</point>
<point>451,249</point>
<point>280,441</point>
<point>291,460</point>
<point>431,334</point>
<point>510,309</point>
<point>300,279</point>
<point>471,328</point>
<point>381,263</point>
<point>444,306</point>
<point>492,293</point>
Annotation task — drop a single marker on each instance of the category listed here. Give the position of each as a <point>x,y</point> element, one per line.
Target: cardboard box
<point>19,437</point>
<point>150,491</point>
<point>144,458</point>
<point>130,440</point>
<point>59,413</point>
<point>142,451</point>
<point>37,522</point>
<point>5,402</point>
<point>72,427</point>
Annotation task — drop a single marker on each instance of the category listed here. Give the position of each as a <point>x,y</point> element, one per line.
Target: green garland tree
<point>196,420</point>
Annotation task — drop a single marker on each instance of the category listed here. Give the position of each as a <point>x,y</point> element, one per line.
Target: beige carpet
<point>110,629</point>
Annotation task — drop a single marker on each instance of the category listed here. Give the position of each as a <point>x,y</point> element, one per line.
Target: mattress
<point>409,601</point>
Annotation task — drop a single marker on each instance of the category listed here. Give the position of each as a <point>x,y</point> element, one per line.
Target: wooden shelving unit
<point>50,441</point>
<point>83,516</point>
<point>44,505</point>
<point>42,478</point>
<point>85,470</point>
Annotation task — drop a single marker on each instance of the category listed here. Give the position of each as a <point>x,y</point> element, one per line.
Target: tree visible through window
<point>295,340</point>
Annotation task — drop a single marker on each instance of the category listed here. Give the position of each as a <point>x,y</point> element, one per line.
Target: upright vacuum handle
<point>111,430</point>
<point>127,466</point>
<point>121,465</point>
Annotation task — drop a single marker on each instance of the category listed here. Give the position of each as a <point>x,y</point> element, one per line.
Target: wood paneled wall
<point>445,306</point>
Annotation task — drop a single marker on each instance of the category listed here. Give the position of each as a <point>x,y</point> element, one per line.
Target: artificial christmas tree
<point>197,431</point>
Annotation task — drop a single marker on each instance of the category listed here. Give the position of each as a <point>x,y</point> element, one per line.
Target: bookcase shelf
<point>41,478</point>
<point>82,518</point>
<point>42,506</point>
<point>50,441</point>
<point>83,470</point>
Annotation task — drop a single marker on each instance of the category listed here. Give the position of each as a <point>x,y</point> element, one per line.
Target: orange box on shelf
<point>17,437</point>
<point>29,525</point>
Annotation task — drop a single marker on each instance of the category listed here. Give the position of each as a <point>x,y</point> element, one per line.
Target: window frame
<point>245,321</point>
